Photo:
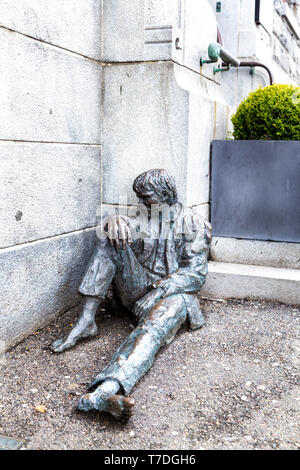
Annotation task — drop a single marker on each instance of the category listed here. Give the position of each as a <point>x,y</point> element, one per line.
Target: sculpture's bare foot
<point>121,407</point>
<point>118,406</point>
<point>80,331</point>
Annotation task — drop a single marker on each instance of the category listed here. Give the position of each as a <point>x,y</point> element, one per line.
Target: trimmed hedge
<point>270,113</point>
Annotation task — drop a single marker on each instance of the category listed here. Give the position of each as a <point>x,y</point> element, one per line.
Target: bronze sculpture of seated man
<point>156,275</point>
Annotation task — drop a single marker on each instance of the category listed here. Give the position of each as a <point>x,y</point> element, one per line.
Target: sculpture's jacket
<point>178,255</point>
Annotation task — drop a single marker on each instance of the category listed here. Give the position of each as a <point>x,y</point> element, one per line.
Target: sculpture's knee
<point>152,328</point>
<point>162,323</point>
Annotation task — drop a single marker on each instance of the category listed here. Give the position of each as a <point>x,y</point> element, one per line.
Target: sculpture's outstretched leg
<point>84,327</point>
<point>134,358</point>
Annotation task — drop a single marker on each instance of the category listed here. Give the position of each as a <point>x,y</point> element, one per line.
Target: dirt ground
<point>230,385</point>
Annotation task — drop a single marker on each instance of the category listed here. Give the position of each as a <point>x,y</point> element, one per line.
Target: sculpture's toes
<point>56,346</point>
<point>61,345</point>
<point>120,407</point>
<point>85,403</point>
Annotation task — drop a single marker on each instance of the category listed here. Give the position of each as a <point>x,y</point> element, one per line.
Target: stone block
<point>264,47</point>
<point>138,30</point>
<point>228,20</point>
<point>75,26</point>
<point>162,13</point>
<point>145,30</point>
<point>208,119</point>
<point>229,280</point>
<point>290,19</point>
<point>154,118</point>
<point>247,14</point>
<point>256,252</point>
<point>47,190</point>
<point>200,134</point>
<point>40,280</point>
<point>44,94</point>
<point>247,43</point>
<point>123,30</point>
<point>197,30</point>
<point>145,126</point>
<point>160,19</point>
<point>158,43</point>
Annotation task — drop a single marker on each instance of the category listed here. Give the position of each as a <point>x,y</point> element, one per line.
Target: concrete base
<point>226,280</point>
<point>257,252</point>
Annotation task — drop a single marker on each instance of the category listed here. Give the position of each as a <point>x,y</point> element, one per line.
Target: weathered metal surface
<point>155,267</point>
<point>255,190</point>
<point>10,443</point>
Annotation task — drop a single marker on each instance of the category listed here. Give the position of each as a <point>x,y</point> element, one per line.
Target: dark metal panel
<point>255,190</point>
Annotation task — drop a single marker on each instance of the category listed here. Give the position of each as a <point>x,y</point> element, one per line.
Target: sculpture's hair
<point>159,181</point>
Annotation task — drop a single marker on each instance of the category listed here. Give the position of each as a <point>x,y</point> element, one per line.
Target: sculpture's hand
<point>194,222</point>
<point>164,285</point>
<point>144,305</point>
<point>118,231</point>
<point>208,228</point>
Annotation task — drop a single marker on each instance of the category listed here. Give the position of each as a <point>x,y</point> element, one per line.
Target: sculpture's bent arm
<point>192,272</point>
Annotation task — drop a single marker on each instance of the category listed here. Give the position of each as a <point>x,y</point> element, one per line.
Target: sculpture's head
<point>155,187</point>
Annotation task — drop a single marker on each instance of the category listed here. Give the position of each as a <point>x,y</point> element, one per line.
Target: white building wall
<point>273,42</point>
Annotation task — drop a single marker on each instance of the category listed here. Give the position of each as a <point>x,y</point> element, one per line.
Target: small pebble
<point>261,387</point>
<point>275,402</point>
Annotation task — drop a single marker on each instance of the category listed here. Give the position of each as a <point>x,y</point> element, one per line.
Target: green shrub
<point>270,113</point>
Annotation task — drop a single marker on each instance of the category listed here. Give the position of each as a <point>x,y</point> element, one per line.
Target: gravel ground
<point>230,385</point>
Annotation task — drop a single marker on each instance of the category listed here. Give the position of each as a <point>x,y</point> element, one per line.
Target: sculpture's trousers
<point>157,327</point>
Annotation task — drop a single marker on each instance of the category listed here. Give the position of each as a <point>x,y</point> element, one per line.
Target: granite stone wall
<point>286,36</point>
<point>50,156</point>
